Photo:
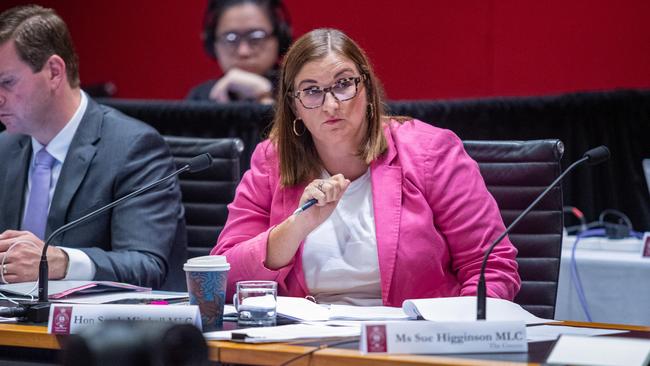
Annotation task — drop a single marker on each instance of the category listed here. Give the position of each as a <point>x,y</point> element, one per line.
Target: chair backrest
<point>516,172</point>
<point>206,194</point>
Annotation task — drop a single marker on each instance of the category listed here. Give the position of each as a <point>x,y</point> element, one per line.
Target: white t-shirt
<point>340,258</point>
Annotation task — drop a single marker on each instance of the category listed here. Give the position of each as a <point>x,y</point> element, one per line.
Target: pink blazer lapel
<point>387,206</point>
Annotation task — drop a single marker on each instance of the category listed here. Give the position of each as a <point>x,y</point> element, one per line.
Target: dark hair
<point>39,33</point>
<point>275,9</point>
<point>299,160</point>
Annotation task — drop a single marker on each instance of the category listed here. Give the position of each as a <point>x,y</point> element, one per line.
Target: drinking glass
<point>255,302</point>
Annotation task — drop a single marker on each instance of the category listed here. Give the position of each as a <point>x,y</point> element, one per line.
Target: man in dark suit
<point>63,156</point>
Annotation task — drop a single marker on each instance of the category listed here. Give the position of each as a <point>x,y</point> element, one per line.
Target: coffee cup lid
<point>207,263</point>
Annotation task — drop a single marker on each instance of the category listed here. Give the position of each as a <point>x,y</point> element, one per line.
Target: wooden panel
<point>30,336</point>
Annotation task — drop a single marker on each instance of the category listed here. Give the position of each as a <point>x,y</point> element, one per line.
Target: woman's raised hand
<point>327,192</point>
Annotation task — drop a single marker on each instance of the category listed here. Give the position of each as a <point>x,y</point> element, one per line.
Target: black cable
<point>617,213</point>
<point>322,346</point>
<point>12,312</point>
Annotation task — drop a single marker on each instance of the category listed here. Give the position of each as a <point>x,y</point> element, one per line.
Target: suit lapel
<point>387,206</point>
<point>15,182</point>
<point>80,154</point>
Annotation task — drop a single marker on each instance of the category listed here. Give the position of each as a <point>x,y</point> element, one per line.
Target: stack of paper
<point>454,309</point>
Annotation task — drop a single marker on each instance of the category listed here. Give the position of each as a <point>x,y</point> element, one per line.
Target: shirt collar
<point>60,144</point>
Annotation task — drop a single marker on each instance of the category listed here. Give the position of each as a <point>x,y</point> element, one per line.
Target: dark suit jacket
<point>141,241</point>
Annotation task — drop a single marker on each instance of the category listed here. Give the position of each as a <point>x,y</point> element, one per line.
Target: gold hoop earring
<point>371,111</point>
<point>295,131</point>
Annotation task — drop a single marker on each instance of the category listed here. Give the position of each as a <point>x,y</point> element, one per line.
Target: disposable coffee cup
<point>207,277</point>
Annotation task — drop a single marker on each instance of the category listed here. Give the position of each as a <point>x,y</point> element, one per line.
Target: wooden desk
<point>36,337</point>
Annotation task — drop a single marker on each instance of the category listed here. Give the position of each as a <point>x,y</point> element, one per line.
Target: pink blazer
<point>434,219</point>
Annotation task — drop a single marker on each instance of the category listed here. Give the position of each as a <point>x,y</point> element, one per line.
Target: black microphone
<point>592,157</point>
<point>597,155</point>
<point>39,312</point>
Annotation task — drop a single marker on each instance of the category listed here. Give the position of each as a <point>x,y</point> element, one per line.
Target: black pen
<point>305,206</point>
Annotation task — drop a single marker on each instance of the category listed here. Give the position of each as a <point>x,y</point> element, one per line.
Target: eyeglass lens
<point>254,38</point>
<point>344,89</point>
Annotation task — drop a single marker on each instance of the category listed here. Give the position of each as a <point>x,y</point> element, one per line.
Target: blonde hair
<point>299,160</point>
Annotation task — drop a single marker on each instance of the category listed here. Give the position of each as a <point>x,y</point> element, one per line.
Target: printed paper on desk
<point>70,319</point>
<point>463,308</point>
<point>300,309</point>
<point>349,312</point>
<point>283,333</point>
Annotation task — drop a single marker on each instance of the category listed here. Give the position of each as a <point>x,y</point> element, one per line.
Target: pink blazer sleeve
<point>243,239</point>
<point>468,216</point>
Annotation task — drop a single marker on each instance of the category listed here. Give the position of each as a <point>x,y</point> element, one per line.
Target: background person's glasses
<point>342,90</point>
<point>254,38</point>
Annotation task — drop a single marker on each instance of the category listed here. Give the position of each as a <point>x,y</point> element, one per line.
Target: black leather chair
<point>206,194</point>
<point>515,172</point>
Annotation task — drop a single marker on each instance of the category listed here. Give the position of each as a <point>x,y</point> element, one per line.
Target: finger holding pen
<point>323,193</point>
<point>318,201</point>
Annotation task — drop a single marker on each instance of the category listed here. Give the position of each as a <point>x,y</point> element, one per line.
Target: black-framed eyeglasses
<point>342,90</point>
<point>254,38</point>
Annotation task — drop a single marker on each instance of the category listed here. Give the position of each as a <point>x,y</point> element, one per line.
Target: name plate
<point>70,319</point>
<point>425,337</point>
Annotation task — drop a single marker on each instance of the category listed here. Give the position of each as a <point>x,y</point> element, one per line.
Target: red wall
<point>424,49</point>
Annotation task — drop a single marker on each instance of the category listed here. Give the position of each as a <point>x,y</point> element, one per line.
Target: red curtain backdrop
<point>421,49</point>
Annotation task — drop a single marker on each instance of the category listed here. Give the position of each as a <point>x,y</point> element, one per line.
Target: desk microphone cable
<point>575,274</point>
<point>13,312</point>
<point>316,349</point>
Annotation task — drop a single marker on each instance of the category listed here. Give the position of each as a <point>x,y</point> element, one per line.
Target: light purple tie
<point>35,217</point>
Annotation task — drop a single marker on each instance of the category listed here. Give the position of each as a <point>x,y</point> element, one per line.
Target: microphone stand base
<point>35,312</point>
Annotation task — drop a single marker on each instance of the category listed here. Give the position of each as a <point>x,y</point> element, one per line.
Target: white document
<point>437,309</point>
<point>300,309</point>
<point>542,333</point>
<point>283,333</point>
<point>595,351</point>
<point>463,308</point>
<point>349,312</point>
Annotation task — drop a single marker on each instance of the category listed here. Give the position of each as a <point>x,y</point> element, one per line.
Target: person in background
<point>402,211</point>
<point>248,38</point>
<point>64,156</point>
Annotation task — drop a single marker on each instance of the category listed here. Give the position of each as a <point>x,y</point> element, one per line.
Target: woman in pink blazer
<point>402,211</point>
